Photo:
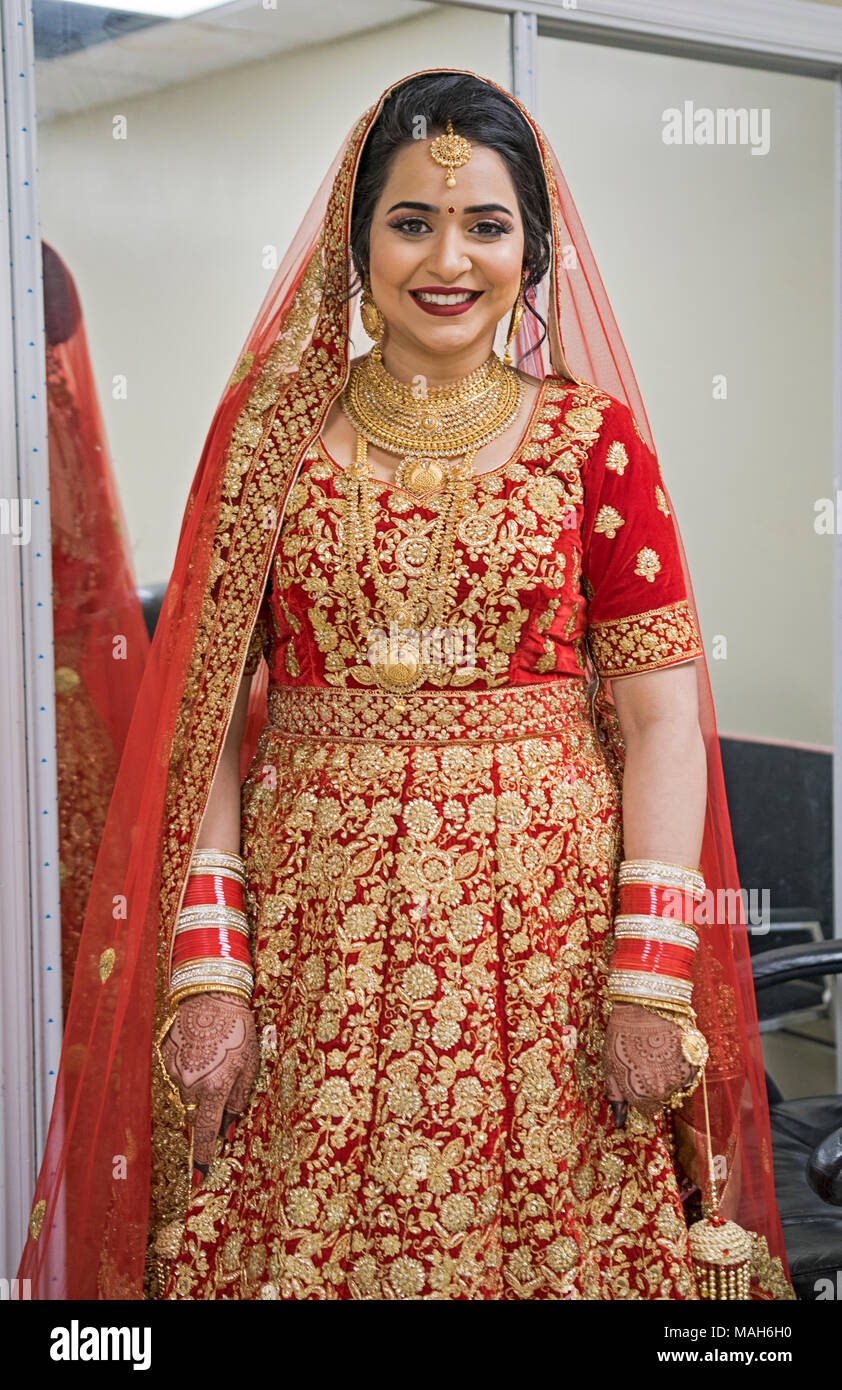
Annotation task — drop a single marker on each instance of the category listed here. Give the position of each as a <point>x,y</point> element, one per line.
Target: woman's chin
<point>443,338</point>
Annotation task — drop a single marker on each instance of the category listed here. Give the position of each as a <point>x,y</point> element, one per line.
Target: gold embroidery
<point>662,501</point>
<point>242,369</point>
<point>608,522</point>
<point>67,680</point>
<point>514,712</point>
<point>36,1219</point>
<point>510,544</point>
<point>617,458</point>
<point>767,1273</point>
<point>413,882</point>
<point>645,641</point>
<point>648,563</point>
<point>106,963</point>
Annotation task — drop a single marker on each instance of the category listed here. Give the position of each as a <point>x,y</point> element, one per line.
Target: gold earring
<point>372,319</point>
<point>515,321</point>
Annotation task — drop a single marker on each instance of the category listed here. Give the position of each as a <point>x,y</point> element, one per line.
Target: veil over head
<point>115,1159</point>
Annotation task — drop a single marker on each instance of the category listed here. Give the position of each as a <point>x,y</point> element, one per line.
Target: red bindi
<point>451,209</point>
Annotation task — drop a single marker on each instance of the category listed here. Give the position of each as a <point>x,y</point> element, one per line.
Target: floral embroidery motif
<point>608,521</point>
<point>662,501</point>
<point>646,641</point>
<point>513,583</point>
<point>617,459</point>
<point>36,1219</point>
<point>648,563</point>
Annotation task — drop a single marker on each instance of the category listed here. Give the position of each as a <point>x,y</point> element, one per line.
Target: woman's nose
<point>449,258</point>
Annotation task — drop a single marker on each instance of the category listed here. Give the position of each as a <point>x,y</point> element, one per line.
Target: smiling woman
<point>407,973</point>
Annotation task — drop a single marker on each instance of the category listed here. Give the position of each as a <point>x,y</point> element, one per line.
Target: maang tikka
<point>451,151</point>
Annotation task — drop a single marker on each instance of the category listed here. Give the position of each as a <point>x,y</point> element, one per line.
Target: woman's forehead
<point>414,174</point>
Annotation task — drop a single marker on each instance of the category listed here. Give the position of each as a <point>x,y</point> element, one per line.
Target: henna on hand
<point>211,1053</point>
<point>643,1061</point>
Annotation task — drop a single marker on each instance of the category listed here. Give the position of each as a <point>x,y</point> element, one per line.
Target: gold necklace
<point>399,663</point>
<point>427,425</point>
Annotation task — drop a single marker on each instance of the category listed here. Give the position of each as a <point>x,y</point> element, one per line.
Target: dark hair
<point>484,116</point>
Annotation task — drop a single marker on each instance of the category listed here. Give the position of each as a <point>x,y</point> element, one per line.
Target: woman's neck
<point>407,362</point>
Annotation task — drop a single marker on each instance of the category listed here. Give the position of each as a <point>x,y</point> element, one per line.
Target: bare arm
<point>665,777</point>
<point>220,827</point>
<point>664,799</point>
<point>211,1051</point>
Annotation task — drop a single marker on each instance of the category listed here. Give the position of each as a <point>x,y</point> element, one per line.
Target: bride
<point>438,1012</point>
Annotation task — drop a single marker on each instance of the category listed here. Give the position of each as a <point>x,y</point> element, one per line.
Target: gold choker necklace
<point>430,424</point>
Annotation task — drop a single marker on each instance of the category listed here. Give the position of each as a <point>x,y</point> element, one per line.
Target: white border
<point>30,978</point>
<point>836,628</point>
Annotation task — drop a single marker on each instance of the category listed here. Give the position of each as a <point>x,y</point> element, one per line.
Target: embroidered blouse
<point>569,542</point>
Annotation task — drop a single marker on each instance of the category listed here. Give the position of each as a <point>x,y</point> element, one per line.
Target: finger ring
<point>694,1047</point>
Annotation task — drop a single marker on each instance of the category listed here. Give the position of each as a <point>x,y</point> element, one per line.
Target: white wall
<point>164,232</point>
<point>717,261</point>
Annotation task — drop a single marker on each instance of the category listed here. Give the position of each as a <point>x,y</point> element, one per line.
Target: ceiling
<point>87,55</point>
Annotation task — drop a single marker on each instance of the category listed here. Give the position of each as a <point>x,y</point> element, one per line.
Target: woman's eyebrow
<point>431,207</point>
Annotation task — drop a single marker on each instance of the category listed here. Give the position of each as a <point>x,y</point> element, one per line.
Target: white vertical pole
<point>524,47</point>
<point>30,942</point>
<point>837,565</point>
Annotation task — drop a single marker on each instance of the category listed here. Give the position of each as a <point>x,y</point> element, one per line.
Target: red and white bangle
<point>211,945</point>
<point>655,940</point>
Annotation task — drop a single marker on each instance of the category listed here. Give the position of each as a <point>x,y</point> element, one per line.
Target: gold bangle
<point>658,874</point>
<point>657,989</point>
<point>176,998</point>
<point>218,861</point>
<point>640,928</point>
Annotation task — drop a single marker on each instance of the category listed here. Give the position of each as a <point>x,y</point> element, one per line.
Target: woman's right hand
<point>212,1055</point>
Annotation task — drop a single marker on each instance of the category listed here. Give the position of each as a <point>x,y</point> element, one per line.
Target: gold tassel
<point>721,1250</point>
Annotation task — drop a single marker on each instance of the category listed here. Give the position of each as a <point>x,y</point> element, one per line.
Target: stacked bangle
<point>211,946</point>
<point>655,945</point>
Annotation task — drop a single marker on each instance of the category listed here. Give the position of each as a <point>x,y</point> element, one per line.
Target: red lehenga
<point>432,893</point>
<point>431,886</point>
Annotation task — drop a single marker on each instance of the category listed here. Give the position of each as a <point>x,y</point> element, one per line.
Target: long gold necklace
<point>400,659</point>
<point>429,424</point>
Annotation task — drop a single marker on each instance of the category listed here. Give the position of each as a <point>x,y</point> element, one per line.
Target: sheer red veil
<point>101,642</point>
<point>116,1155</point>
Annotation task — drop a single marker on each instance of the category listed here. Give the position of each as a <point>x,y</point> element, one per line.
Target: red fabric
<point>100,638</point>
<point>88,1229</point>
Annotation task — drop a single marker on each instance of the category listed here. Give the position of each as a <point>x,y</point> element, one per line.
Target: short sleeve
<point>639,617</point>
<point>260,637</point>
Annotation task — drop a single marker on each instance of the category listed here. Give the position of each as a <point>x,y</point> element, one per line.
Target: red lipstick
<point>445,310</point>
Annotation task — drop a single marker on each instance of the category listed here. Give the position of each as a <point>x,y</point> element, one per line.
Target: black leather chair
<point>806,1142</point>
<point>151,597</point>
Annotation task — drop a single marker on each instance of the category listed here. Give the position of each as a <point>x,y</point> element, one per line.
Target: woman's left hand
<point>643,1061</point>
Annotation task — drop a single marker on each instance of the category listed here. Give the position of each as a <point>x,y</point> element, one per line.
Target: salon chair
<point>151,598</point>
<point>806,1142</point>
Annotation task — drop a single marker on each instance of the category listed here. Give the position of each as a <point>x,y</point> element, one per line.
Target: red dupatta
<point>101,642</point>
<point>91,1215</point>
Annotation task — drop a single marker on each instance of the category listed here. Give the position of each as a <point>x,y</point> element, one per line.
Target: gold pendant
<point>420,475</point>
<point>395,661</point>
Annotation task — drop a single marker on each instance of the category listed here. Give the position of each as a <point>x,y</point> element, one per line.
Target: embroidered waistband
<point>433,716</point>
